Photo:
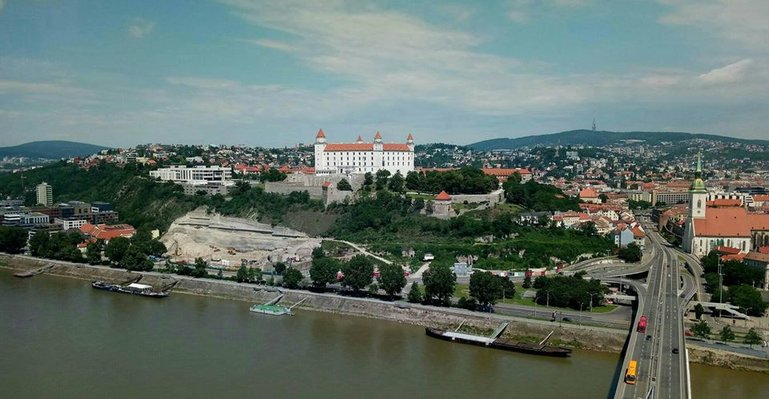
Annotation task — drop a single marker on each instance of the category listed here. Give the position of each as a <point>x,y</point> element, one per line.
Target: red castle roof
<point>443,196</point>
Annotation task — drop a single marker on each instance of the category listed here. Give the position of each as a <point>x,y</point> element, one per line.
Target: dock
<point>35,272</point>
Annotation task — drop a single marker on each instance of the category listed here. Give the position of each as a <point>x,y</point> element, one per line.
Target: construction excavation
<point>228,242</point>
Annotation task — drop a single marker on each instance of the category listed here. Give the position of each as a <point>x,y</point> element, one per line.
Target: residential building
<point>45,194</point>
<point>70,223</point>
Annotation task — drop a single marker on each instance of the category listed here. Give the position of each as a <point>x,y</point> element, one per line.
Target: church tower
<point>698,198</point>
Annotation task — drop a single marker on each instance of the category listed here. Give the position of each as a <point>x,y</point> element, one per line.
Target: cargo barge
<point>497,343</point>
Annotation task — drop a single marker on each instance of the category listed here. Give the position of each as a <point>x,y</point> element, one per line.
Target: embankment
<point>566,334</point>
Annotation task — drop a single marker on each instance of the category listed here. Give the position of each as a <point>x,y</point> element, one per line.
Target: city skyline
<point>256,73</point>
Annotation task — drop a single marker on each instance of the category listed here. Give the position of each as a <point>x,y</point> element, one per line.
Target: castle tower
<point>698,198</point>
<point>410,142</point>
<point>320,146</point>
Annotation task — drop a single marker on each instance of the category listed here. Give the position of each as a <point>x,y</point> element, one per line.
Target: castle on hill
<point>361,157</point>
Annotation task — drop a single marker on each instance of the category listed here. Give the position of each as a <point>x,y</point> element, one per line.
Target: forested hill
<point>601,138</point>
<point>54,149</point>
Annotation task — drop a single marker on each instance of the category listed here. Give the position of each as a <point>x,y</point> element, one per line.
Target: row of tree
<point>12,239</point>
<point>538,197</point>
<point>703,330</point>
<point>569,291</point>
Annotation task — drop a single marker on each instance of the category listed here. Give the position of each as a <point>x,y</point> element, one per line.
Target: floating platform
<point>497,343</point>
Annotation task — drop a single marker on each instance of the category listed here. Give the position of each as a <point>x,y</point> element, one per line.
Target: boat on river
<point>273,309</point>
<point>131,288</point>
<point>497,343</point>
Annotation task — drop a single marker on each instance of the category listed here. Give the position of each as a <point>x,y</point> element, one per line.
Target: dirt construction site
<point>227,241</point>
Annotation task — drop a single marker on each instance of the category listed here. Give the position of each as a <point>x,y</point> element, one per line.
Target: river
<point>60,338</point>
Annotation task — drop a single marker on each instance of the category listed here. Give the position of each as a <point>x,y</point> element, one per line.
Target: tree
<point>381,178</point>
<point>527,281</point>
<point>117,248</point>
<point>254,275</point>
<point>603,198</point>
<point>753,338</point>
<point>698,310</point>
<point>391,279</point>
<point>368,179</point>
<point>748,298</point>
<point>242,274</point>
<point>200,268</point>
<point>588,229</point>
<point>485,288</point>
<point>631,253</point>
<point>12,239</point>
<point>357,272</point>
<point>343,185</point>
<point>439,284</point>
<point>292,278</point>
<point>38,244</point>
<point>701,329</point>
<point>415,293</point>
<point>323,271</point>
<point>135,259</point>
<point>279,268</point>
<point>318,253</point>
<point>412,180</point>
<point>396,183</point>
<point>726,334</point>
<point>93,252</point>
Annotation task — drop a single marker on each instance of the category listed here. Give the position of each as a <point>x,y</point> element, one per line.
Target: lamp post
<point>746,317</point>
<point>580,313</point>
<point>591,301</point>
<point>548,298</point>
<point>720,287</point>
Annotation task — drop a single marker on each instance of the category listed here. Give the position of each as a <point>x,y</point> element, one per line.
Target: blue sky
<point>271,73</point>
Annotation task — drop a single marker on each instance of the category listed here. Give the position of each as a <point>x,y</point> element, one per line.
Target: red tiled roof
<point>349,147</point>
<point>757,256</point>
<point>377,136</point>
<point>396,147</point>
<point>724,202</point>
<point>737,257</point>
<point>443,196</point>
<point>723,222</point>
<point>326,184</point>
<point>637,232</point>
<point>320,134</point>
<point>505,171</point>
<point>106,232</point>
<point>366,147</point>
<point>726,250</point>
<point>763,250</point>
<point>588,193</point>
<point>761,197</point>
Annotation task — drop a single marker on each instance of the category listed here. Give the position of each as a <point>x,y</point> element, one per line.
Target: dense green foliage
<point>415,293</point>
<point>753,337</point>
<point>269,207</point>
<point>734,272</point>
<point>292,278</point>
<point>12,239</point>
<point>486,288</point>
<point>569,291</point>
<point>358,272</point>
<point>439,285</point>
<point>61,245</point>
<point>747,298</point>
<point>539,197</point>
<point>631,253</point>
<point>726,334</point>
<point>391,279</point>
<point>343,185</point>
<point>701,329</point>
<point>640,204</point>
<point>467,180</point>
<point>323,271</point>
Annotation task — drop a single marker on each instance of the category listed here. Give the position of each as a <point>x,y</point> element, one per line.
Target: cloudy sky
<point>272,72</point>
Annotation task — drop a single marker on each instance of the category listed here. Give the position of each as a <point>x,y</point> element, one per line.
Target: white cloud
<point>730,73</point>
<point>140,28</point>
<point>739,21</point>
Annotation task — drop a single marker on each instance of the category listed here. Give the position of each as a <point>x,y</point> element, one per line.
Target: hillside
<point>54,149</point>
<point>601,138</point>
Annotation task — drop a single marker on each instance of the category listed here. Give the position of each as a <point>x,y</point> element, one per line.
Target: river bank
<point>530,330</point>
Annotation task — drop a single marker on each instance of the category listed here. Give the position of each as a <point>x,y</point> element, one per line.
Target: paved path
<point>362,250</point>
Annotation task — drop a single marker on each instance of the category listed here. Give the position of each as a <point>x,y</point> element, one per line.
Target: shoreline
<point>590,338</point>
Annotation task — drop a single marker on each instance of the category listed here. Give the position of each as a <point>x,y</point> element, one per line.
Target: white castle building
<point>361,157</point>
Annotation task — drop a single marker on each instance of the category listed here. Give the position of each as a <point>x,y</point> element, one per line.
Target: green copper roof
<point>698,184</point>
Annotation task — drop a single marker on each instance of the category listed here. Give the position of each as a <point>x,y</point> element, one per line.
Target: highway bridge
<point>663,369</point>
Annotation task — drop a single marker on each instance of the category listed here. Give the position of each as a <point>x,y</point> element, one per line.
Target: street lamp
<point>580,313</point>
<point>720,287</point>
<point>591,301</point>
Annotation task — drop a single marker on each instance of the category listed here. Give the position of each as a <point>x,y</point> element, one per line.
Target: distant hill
<point>601,138</point>
<point>53,149</point>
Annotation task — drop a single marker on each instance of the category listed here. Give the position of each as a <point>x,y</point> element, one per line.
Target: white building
<point>195,174</point>
<point>70,223</point>
<point>45,194</point>
<point>360,157</point>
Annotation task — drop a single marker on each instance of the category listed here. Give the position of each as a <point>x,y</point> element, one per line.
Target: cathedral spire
<point>697,184</point>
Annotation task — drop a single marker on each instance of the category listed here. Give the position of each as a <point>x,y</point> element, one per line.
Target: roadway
<point>661,373</point>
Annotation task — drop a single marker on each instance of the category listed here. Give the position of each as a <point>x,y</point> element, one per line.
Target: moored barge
<point>132,288</point>
<point>497,343</point>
